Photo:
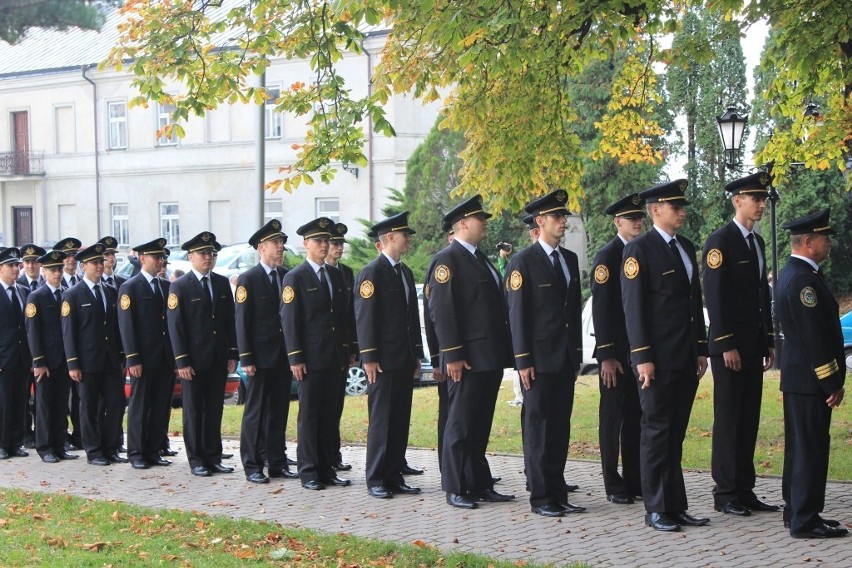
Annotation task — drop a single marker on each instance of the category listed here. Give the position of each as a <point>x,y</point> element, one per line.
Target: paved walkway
<point>606,535</point>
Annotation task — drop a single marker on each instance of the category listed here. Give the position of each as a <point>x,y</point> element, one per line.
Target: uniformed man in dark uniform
<point>95,356</point>
<point>70,276</point>
<point>661,292</point>
<point>388,322</point>
<point>813,372</point>
<point>543,294</point>
<point>109,278</point>
<point>30,279</point>
<point>263,355</point>
<point>204,340</point>
<point>149,357</point>
<point>14,356</point>
<point>317,329</point>
<point>335,252</point>
<point>469,313</point>
<point>741,343</point>
<point>619,412</point>
<point>44,332</point>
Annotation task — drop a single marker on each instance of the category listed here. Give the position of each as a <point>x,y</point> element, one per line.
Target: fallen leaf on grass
<point>56,542</point>
<point>94,546</point>
<point>170,557</point>
<point>245,554</point>
<point>115,516</point>
<point>281,554</point>
<point>41,517</point>
<point>277,491</point>
<point>419,543</point>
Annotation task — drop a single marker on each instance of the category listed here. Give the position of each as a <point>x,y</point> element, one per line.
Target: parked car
<point>846,326</point>
<point>239,257</point>
<point>356,381</point>
<point>240,395</point>
<point>231,385</point>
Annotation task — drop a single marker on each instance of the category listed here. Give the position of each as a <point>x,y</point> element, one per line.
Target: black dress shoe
<point>201,471</point>
<point>408,470</point>
<point>29,443</point>
<point>340,466</point>
<point>160,461</point>
<point>4,455</point>
<point>827,522</point>
<point>19,453</point>
<point>489,496</point>
<point>661,522</point>
<point>63,455</point>
<point>822,531</point>
<point>139,464</point>
<point>168,452</point>
<point>219,468</point>
<point>336,481</point>
<point>291,462</point>
<point>71,447</point>
<point>313,485</point>
<point>100,460</point>
<point>285,472</point>
<point>733,508</point>
<point>380,492</point>
<point>570,508</point>
<point>404,489</point>
<point>756,504</point>
<point>460,501</point>
<point>496,479</point>
<point>50,458</point>
<point>115,458</point>
<point>688,520</point>
<point>549,510</point>
<point>122,450</point>
<point>226,456</point>
<point>571,488</point>
<point>257,477</point>
<point>620,499</point>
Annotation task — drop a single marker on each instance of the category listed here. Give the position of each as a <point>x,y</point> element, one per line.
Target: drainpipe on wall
<point>260,152</point>
<point>370,177</point>
<point>97,154</point>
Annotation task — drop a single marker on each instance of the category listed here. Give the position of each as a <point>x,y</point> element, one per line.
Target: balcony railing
<point>21,163</point>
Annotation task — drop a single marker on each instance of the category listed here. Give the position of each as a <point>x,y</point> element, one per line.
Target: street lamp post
<point>731,129</point>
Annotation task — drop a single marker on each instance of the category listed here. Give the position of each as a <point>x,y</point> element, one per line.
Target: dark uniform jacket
<point>317,328</point>
<point>24,280</point>
<point>738,300</point>
<point>468,310</point>
<point>812,361</point>
<point>607,309</point>
<point>117,280</point>
<point>90,335</point>
<point>44,329</point>
<point>201,336</point>
<point>663,310</point>
<point>349,287</point>
<point>142,320</point>
<point>544,315</point>
<point>388,324</point>
<point>260,335</point>
<point>13,334</point>
<point>428,326</point>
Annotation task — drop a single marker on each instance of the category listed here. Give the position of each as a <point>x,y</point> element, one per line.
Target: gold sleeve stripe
<point>605,345</point>
<point>294,352</point>
<point>181,356</point>
<point>132,355</point>
<point>702,341</point>
<point>72,359</point>
<point>244,354</point>
<point>369,350</point>
<point>640,349</point>
<point>721,337</point>
<point>825,371</point>
<point>452,348</point>
<point>519,355</point>
<point>37,358</point>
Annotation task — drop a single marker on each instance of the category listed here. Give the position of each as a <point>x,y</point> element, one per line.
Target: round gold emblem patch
<point>66,309</point>
<point>631,268</point>
<point>241,294</point>
<point>288,294</point>
<point>601,274</point>
<point>31,310</point>
<point>125,302</point>
<point>714,258</point>
<point>366,289</point>
<point>442,274</point>
<point>426,290</point>
<point>173,301</point>
<point>516,280</point>
<point>808,296</point>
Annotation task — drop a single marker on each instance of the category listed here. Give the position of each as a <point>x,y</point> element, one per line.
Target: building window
<point>170,223</point>
<point>117,118</point>
<point>273,122</point>
<point>164,118</point>
<point>120,229</point>
<point>66,138</point>
<point>329,207</point>
<point>273,209</point>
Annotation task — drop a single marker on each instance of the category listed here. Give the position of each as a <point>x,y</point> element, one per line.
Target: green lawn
<point>37,529</point>
<point>505,433</point>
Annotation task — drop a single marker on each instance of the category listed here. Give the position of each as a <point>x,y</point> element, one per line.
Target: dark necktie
<point>398,268</point>
<point>324,281</point>
<point>16,304</point>
<point>72,280</point>
<point>206,287</point>
<point>110,281</point>
<point>158,294</point>
<point>273,279</point>
<point>58,295</point>
<point>99,297</point>
<point>484,260</point>
<point>557,268</point>
<point>752,253</point>
<point>33,285</point>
